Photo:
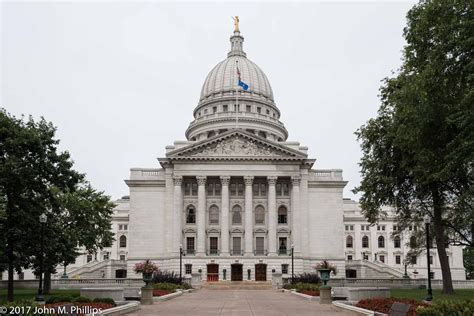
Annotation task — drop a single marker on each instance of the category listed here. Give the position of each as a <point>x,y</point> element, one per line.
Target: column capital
<point>225,180</point>
<point>248,180</point>
<point>177,180</point>
<point>272,180</point>
<point>201,180</point>
<point>295,180</point>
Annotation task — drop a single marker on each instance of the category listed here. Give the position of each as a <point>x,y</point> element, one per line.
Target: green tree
<point>418,152</point>
<point>468,253</point>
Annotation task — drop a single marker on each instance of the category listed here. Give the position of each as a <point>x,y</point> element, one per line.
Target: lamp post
<point>181,263</point>
<point>427,221</point>
<point>292,263</point>
<point>39,296</point>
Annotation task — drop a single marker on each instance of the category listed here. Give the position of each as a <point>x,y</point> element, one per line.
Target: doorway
<point>260,272</point>
<point>212,272</point>
<point>236,272</point>
<point>121,274</point>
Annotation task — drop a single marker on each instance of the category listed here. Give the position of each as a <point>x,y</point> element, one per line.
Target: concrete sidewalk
<point>238,302</point>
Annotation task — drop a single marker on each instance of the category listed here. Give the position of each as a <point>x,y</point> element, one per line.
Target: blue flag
<point>243,85</point>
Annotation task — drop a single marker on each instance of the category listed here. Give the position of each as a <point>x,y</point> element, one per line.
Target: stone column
<point>177,211</point>
<point>304,212</point>
<point>168,229</point>
<point>201,216</point>
<point>272,216</point>
<point>295,210</point>
<point>225,216</point>
<point>248,216</point>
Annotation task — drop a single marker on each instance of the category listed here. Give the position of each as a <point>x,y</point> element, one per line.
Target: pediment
<point>236,145</point>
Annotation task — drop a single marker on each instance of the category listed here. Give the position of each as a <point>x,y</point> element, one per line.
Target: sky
<point>120,80</point>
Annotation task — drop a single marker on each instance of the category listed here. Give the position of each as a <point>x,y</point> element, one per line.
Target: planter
<point>325,275</point>
<point>147,278</point>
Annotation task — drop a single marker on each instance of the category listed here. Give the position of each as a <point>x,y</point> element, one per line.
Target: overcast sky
<point>120,80</point>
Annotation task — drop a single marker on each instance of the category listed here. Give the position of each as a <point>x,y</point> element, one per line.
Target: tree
<point>468,253</point>
<point>418,152</point>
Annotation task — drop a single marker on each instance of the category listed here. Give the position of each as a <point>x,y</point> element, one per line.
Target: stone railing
<point>77,283</point>
<point>328,174</point>
<point>138,173</point>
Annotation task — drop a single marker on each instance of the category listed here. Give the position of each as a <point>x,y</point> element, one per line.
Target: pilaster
<point>177,211</point>
<point>272,216</point>
<point>295,210</point>
<point>201,216</point>
<point>225,215</point>
<point>248,180</point>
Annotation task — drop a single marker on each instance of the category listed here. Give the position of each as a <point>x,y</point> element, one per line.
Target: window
<point>236,246</point>
<point>362,227</point>
<point>432,274</point>
<point>188,268</point>
<point>120,227</point>
<point>365,242</point>
<point>213,215</point>
<point>382,258</point>
<point>282,242</point>
<point>123,241</point>
<point>236,215</point>
<point>284,268</point>
<point>214,109</point>
<point>283,189</point>
<point>89,258</point>
<point>190,245</point>
<point>259,215</point>
<point>259,110</point>
<point>214,189</point>
<point>431,259</point>
<point>224,108</point>
<point>248,108</point>
<point>190,215</point>
<point>365,256</point>
<point>396,242</point>
<point>349,227</point>
<point>413,242</point>
<point>125,227</point>
<point>213,245</point>
<point>106,256</point>
<point>349,242</point>
<point>349,258</point>
<point>381,242</point>
<point>381,227</point>
<point>190,188</point>
<point>398,259</point>
<point>236,189</point>
<point>122,258</point>
<point>205,111</point>
<point>413,260</point>
<point>259,189</point>
<point>282,215</point>
<point>260,245</point>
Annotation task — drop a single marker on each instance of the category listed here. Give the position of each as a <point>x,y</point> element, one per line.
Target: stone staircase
<point>238,285</point>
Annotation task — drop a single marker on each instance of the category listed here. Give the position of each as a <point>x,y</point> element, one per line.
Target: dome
<point>223,78</point>
<point>225,105</point>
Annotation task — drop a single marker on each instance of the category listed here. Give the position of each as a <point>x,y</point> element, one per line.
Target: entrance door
<point>236,272</point>
<point>260,272</point>
<point>212,272</point>
<point>121,274</point>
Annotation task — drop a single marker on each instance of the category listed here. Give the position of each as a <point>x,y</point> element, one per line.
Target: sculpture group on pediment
<point>236,146</point>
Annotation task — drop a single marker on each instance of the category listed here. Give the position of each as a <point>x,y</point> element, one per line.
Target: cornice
<point>145,183</point>
<point>327,184</point>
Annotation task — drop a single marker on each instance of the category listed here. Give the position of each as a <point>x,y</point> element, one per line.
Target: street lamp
<point>181,263</point>
<point>39,296</point>
<point>427,221</point>
<point>292,263</point>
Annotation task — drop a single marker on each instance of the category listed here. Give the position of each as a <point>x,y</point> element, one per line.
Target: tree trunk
<point>47,282</point>
<point>440,244</point>
<point>10,280</point>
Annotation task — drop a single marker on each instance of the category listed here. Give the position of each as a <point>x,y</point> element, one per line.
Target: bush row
<point>461,308</point>
<point>80,299</point>
<point>170,286</point>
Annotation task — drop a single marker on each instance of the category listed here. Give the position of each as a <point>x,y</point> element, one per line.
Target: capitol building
<point>237,197</point>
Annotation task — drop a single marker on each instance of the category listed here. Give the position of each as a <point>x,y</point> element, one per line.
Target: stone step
<point>237,285</point>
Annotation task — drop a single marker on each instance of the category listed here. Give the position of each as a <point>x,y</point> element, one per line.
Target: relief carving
<point>236,146</point>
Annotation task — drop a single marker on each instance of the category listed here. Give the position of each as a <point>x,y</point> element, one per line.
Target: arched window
<point>349,242</point>
<point>191,215</point>
<point>213,215</point>
<point>259,215</point>
<point>396,242</point>
<point>365,242</point>
<point>381,242</point>
<point>236,215</point>
<point>412,242</point>
<point>282,215</point>
<point>123,241</point>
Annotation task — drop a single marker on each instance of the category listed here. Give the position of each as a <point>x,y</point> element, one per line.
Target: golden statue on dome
<point>236,24</point>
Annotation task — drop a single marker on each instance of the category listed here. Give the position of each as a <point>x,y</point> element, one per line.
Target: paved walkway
<point>238,302</point>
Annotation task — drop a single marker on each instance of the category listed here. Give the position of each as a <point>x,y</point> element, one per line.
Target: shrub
<point>299,287</point>
<point>58,299</point>
<point>383,305</point>
<point>312,278</point>
<point>105,300</point>
<point>167,286</point>
<point>465,308</point>
<point>166,277</point>
<point>81,299</point>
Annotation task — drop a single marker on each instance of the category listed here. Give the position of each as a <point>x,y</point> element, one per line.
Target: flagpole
<point>237,101</point>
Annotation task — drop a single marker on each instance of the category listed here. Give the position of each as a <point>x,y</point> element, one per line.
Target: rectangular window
<point>268,112</point>
<point>122,257</point>
<point>236,243</point>
<point>362,227</point>
<point>214,109</point>
<point>286,189</point>
<point>378,227</point>
<point>213,242</point>
<point>284,268</point>
<point>194,188</point>
<point>278,189</point>
<point>365,257</point>
<point>349,257</point>
<point>233,189</point>
<point>347,227</point>
<point>351,227</point>
<point>190,245</point>
<point>263,189</point>
<point>260,245</point>
<point>259,110</point>
<point>397,259</point>
<point>382,258</point>
<point>224,108</point>
<point>255,189</point>
<point>383,227</point>
<point>125,227</point>
<point>106,256</point>
<point>432,274</point>
<point>367,227</point>
<point>217,189</point>
<point>248,108</point>
<point>188,268</point>
<point>240,189</point>
<point>413,259</point>
<point>282,245</point>
<point>205,111</point>
<point>210,189</point>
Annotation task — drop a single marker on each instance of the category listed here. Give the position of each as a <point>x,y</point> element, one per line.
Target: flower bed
<point>80,308</point>
<point>383,305</point>
<point>158,292</point>
<point>311,293</point>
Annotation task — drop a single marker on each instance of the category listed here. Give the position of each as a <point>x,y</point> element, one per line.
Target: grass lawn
<point>460,295</point>
<point>29,294</point>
